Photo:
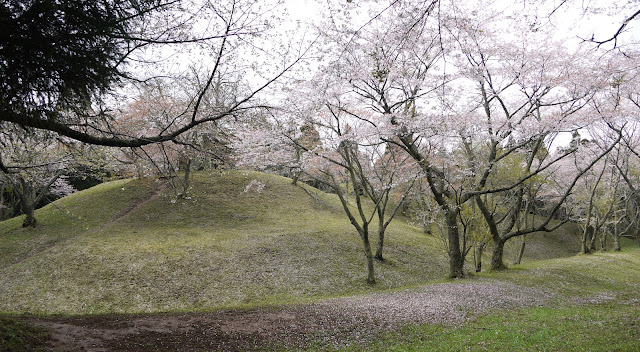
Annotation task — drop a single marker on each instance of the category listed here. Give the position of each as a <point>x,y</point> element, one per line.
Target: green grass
<point>595,308</point>
<point>66,218</point>
<point>590,328</point>
<point>222,248</point>
<point>563,242</point>
<point>16,336</point>
<point>226,248</point>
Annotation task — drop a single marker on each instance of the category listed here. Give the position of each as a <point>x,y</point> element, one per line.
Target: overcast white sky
<point>575,18</point>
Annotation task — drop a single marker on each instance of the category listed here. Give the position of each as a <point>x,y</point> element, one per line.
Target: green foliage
<point>16,336</point>
<point>57,54</point>
<point>563,242</point>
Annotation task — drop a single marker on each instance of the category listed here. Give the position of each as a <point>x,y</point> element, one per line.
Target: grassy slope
<point>222,248</point>
<point>563,242</point>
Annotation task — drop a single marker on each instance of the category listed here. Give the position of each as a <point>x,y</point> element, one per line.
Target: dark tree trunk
<point>583,246</point>
<point>30,218</point>
<point>380,246</point>
<point>478,256</point>
<point>592,243</point>
<point>586,235</point>
<point>456,261</point>
<point>520,252</point>
<point>371,277</point>
<point>381,231</point>
<point>497,254</point>
<point>26,204</point>
<point>186,179</point>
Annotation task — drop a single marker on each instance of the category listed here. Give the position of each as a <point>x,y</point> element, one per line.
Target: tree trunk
<point>616,243</point>
<point>497,254</point>
<point>371,277</point>
<point>521,252</point>
<point>456,261</point>
<point>4,209</point>
<point>187,175</point>
<point>478,256</point>
<point>586,234</point>
<point>592,243</point>
<point>603,242</point>
<point>29,212</point>
<point>381,231</point>
<point>26,204</point>
<point>380,246</point>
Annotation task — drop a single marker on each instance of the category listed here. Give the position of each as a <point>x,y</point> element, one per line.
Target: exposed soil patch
<point>332,322</point>
<point>161,186</point>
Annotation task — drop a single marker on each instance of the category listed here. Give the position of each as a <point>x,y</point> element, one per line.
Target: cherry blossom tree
<point>33,166</point>
<point>204,146</point>
<point>341,150</point>
<point>624,16</point>
<point>473,77</point>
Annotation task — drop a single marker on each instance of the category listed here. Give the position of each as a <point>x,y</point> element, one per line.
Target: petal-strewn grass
<point>594,306</point>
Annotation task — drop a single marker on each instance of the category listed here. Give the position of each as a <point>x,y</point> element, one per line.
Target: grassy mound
<point>122,247</point>
<point>240,239</point>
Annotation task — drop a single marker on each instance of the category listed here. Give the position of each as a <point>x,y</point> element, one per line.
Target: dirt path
<point>142,201</point>
<point>332,322</point>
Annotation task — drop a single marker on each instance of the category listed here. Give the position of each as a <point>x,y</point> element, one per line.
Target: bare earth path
<point>331,322</point>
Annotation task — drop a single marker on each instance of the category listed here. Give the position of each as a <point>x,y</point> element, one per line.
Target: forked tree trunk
<point>603,242</point>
